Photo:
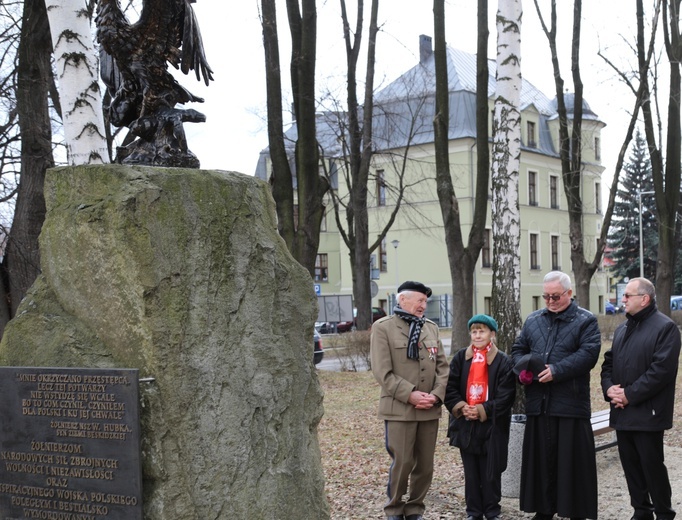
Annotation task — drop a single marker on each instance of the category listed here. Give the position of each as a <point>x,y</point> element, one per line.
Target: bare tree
<point>665,173</point>
<point>299,216</point>
<point>21,263</point>
<point>506,160</point>
<point>462,258</point>
<point>666,178</point>
<point>570,151</point>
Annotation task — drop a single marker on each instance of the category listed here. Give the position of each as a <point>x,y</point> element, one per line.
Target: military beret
<point>485,320</point>
<point>415,286</point>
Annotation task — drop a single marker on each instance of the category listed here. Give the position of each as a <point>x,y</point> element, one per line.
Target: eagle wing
<point>170,28</point>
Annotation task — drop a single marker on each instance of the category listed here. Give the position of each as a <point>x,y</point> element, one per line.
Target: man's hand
<point>546,375</point>
<point>617,395</point>
<point>422,400</point>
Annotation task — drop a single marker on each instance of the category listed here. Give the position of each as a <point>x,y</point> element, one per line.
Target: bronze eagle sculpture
<point>134,60</point>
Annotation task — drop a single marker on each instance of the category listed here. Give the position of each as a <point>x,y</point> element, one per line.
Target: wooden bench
<point>600,426</point>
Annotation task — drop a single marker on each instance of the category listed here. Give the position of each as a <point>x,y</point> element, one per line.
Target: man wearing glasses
<point>638,379</point>
<point>558,468</point>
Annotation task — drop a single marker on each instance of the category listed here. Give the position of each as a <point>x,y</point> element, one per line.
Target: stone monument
<point>181,274</point>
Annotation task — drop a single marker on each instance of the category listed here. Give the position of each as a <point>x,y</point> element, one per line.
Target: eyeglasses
<point>627,296</point>
<point>554,297</point>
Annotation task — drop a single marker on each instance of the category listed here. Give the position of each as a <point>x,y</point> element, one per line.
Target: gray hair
<point>558,276</point>
<point>645,286</point>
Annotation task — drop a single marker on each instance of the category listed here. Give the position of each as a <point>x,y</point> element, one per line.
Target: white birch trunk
<point>77,79</point>
<point>505,161</point>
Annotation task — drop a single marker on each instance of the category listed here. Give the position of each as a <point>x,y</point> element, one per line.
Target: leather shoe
<point>396,517</point>
<point>414,517</point>
<point>474,518</point>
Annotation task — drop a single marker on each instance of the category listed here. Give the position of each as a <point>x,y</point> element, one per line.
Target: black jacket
<point>569,342</point>
<point>475,436</point>
<point>643,360</point>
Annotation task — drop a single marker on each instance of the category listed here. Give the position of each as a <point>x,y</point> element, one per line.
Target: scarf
<point>477,383</point>
<point>416,325</point>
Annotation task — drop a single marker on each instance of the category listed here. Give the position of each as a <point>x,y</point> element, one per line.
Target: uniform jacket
<point>643,359</point>
<point>495,413</point>
<point>399,376</point>
<point>569,342</point>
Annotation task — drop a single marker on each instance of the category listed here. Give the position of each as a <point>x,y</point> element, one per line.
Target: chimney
<point>425,49</point>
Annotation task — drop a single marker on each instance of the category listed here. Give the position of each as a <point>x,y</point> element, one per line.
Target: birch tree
<point>506,159</point>
<point>77,74</point>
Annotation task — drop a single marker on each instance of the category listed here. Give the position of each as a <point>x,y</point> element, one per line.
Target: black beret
<point>415,286</point>
<point>533,363</point>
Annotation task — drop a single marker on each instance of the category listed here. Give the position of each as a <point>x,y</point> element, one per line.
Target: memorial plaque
<point>69,444</point>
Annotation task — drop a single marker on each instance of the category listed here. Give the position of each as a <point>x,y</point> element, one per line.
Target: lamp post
<point>641,240</point>
<point>395,244</point>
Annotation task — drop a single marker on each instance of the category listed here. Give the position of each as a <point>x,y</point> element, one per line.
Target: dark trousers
<point>481,494</point>
<point>641,455</point>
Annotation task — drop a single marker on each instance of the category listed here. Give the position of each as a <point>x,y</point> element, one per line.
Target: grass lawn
<point>355,461</point>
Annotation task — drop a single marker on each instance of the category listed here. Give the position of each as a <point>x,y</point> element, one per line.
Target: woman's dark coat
<point>490,434</point>
<point>569,342</point>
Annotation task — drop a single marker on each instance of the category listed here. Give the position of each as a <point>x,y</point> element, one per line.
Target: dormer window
<point>530,134</point>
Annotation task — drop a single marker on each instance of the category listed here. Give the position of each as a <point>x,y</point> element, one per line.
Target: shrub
<point>677,317</point>
<point>608,324</point>
<point>353,351</point>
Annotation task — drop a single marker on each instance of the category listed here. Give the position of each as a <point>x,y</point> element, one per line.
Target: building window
<point>553,191</point>
<point>485,250</point>
<point>321,268</point>
<point>383,256</point>
<point>555,253</point>
<point>381,188</point>
<point>532,188</point>
<point>488,305</point>
<point>534,264</point>
<point>536,303</point>
<point>597,149</point>
<point>597,197</point>
<point>530,129</point>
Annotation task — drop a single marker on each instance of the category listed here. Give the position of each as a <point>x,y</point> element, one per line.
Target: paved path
<point>333,363</point>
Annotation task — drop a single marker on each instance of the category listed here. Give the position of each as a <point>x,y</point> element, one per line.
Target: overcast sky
<point>235,132</point>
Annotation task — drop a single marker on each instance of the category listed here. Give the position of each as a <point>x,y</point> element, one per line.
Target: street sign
<point>318,289</point>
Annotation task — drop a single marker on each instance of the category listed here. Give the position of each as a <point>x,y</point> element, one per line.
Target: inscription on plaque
<point>69,444</point>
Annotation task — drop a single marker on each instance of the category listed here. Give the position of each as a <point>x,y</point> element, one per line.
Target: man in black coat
<point>638,379</point>
<point>558,469</point>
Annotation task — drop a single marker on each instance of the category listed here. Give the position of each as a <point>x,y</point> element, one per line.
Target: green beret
<point>485,320</point>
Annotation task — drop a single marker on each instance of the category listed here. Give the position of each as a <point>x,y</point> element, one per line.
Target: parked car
<point>318,352</point>
<point>345,326</point>
<point>676,303</point>
<point>324,327</point>
<point>610,308</point>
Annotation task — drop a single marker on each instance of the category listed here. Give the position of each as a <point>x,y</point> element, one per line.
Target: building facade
<point>414,247</point>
